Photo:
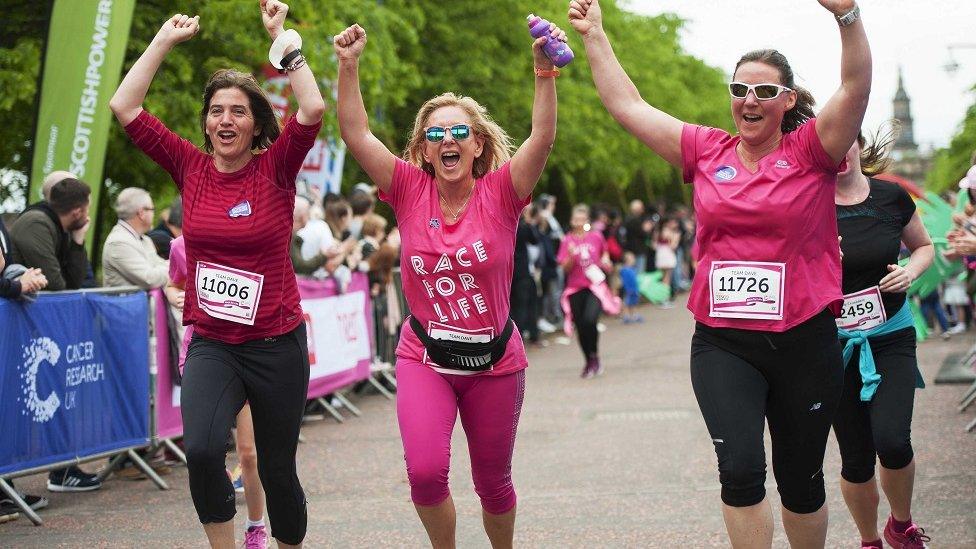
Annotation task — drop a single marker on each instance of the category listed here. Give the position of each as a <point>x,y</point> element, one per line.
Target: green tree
<point>952,162</point>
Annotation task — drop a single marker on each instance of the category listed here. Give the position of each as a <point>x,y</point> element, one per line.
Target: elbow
<point>316,110</point>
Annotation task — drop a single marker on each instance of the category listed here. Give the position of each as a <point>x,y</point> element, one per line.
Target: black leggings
<point>883,426</point>
<point>586,313</point>
<point>792,380</point>
<point>272,376</point>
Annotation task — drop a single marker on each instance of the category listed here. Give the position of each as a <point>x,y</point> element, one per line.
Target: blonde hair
<point>874,153</point>
<point>498,145</point>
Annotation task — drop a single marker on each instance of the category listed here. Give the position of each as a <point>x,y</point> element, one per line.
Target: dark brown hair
<point>68,194</point>
<point>803,109</point>
<point>264,115</point>
<point>874,154</point>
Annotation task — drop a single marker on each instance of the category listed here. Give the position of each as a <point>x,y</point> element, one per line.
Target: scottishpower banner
<point>74,377</point>
<point>85,49</point>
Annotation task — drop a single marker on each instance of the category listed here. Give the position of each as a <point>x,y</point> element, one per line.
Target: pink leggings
<point>428,403</point>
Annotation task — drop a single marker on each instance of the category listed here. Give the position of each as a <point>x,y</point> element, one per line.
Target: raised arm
<point>127,101</point>
<point>311,106</point>
<point>377,161</point>
<point>657,129</point>
<point>840,120</point>
<point>530,158</point>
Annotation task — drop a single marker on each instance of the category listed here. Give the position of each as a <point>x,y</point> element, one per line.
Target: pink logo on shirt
<point>243,209</point>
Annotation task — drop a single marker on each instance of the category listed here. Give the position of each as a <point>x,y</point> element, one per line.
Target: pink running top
<point>457,279</point>
<point>587,250</point>
<point>177,274</point>
<point>783,215</point>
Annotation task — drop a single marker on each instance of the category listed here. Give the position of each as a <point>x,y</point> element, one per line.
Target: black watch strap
<point>286,60</point>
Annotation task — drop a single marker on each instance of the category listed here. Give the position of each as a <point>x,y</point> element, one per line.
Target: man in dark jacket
<point>50,235</point>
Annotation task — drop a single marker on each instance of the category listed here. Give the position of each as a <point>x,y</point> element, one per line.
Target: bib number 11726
<point>747,289</point>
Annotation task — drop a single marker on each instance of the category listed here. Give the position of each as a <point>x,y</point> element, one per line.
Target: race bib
<point>228,293</point>
<point>862,310</point>
<point>595,274</point>
<point>747,289</point>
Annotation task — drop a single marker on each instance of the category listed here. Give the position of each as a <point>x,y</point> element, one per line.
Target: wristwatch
<point>849,17</point>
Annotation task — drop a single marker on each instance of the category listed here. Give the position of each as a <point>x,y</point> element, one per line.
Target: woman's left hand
<point>897,281</point>
<point>273,13</point>
<point>541,60</point>
<point>838,7</point>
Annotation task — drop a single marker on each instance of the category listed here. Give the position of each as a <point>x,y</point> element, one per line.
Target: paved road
<point>623,460</point>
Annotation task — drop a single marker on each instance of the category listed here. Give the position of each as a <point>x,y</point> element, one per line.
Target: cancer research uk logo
<point>81,369</point>
<point>725,173</point>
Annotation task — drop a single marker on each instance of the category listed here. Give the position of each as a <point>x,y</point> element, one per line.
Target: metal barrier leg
<point>379,387</point>
<point>15,497</point>
<point>331,409</point>
<point>169,444</point>
<point>971,426</point>
<point>969,398</point>
<point>390,378</point>
<point>349,405</point>
<point>145,468</point>
<point>112,464</point>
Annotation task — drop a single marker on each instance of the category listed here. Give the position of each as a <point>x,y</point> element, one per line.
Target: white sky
<point>907,32</point>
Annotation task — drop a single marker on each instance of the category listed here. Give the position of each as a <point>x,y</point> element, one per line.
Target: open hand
<point>349,43</point>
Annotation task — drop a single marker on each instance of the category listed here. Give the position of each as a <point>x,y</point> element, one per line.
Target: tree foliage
<point>952,162</point>
<point>416,50</point>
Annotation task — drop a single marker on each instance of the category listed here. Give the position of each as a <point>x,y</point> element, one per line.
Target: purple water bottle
<point>556,50</point>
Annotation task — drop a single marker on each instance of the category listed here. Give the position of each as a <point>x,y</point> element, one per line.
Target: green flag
<point>85,49</point>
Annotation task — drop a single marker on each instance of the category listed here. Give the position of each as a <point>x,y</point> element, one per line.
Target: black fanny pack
<point>460,355</point>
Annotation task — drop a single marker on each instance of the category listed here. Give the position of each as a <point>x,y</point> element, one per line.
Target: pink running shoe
<point>256,537</point>
<point>912,538</point>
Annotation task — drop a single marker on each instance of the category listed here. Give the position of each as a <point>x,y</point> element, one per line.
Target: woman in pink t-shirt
<point>584,258</point>
<point>457,197</point>
<point>767,285</point>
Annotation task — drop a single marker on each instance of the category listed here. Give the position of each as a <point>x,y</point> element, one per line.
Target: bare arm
<point>531,157</point>
<point>376,160</point>
<point>660,131</point>
<point>311,106</point>
<point>916,238</point>
<point>128,98</point>
<point>840,120</point>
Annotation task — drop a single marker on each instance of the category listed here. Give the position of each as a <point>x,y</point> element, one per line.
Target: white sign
<point>338,334</point>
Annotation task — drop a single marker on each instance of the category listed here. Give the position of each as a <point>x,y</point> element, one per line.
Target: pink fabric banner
<point>340,344</point>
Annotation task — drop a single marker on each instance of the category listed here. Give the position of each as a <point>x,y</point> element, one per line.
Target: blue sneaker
<point>237,478</point>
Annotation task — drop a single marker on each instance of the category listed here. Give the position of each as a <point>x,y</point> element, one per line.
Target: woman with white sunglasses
<point>769,280</point>
<point>457,195</point>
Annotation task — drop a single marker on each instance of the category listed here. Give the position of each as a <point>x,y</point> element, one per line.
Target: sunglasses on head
<point>458,132</point>
<point>763,92</point>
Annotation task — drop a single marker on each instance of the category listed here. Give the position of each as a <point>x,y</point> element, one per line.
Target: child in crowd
<point>628,279</point>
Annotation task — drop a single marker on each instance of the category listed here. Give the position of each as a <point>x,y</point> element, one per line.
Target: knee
<point>428,480</point>
<point>247,454</point>
<point>894,450</point>
<point>801,493</point>
<point>743,479</point>
<point>497,493</point>
<point>204,457</point>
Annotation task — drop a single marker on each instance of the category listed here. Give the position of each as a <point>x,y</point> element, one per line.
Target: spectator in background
<point>32,280</point>
<point>525,293</point>
<point>129,256</point>
<point>304,266</point>
<point>637,234</point>
<point>373,234</point>
<point>338,215</point>
<point>50,235</point>
<point>170,226</point>
<point>628,281</point>
<point>550,279</point>
<point>361,204</point>
<point>665,256</point>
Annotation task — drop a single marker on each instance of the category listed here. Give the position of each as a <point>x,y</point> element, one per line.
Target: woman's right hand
<point>178,28</point>
<point>585,15</point>
<point>349,43</point>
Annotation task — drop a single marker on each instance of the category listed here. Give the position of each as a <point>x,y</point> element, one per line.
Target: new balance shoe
<point>72,479</point>
<point>912,538</point>
<point>256,537</point>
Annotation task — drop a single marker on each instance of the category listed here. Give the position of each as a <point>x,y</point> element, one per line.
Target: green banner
<point>85,49</point>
